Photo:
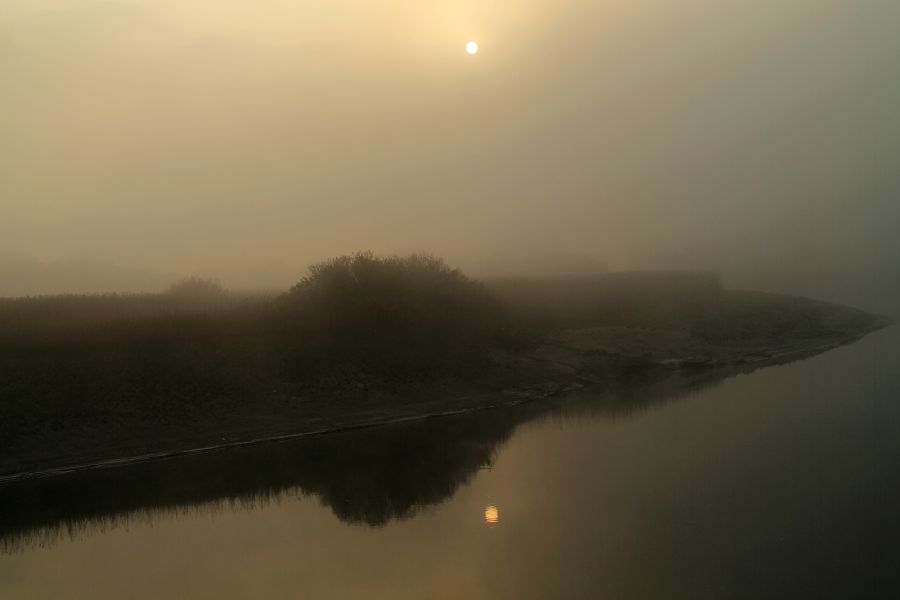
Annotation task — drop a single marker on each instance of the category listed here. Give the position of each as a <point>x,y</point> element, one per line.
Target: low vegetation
<point>85,376</point>
<point>414,295</point>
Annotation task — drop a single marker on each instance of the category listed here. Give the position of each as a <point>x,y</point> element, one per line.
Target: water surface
<point>782,483</point>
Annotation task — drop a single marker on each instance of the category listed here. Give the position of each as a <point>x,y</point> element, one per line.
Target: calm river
<point>783,483</point>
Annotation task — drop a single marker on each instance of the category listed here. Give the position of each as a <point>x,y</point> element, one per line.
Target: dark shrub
<point>201,289</point>
<point>366,295</point>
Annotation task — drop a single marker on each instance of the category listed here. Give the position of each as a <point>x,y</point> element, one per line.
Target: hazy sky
<point>760,138</point>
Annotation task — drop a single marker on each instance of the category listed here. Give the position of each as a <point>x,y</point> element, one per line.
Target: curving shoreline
<point>537,377</point>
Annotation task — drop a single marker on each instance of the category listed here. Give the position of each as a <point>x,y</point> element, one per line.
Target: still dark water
<point>783,483</point>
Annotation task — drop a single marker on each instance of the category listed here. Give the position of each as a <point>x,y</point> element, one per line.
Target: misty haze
<point>381,299</point>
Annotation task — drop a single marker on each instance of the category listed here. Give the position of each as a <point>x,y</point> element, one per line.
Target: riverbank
<point>743,331</point>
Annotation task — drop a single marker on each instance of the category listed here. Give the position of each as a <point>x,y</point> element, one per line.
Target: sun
<point>491,515</point>
<point>472,47</point>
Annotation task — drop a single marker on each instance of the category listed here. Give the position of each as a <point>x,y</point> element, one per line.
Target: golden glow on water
<point>491,515</point>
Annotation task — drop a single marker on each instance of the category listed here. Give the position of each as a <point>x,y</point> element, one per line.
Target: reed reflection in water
<point>779,484</point>
<point>369,477</point>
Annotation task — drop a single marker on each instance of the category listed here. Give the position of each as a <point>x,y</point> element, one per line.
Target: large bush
<point>363,294</point>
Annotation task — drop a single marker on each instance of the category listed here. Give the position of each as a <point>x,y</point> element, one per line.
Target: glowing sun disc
<point>472,47</point>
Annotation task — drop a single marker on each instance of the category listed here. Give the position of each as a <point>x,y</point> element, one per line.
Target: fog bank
<point>760,140</point>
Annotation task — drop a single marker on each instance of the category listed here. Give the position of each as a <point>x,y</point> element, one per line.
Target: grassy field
<point>359,337</point>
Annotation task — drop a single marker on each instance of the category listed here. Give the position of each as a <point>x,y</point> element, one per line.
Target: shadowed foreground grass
<point>360,337</point>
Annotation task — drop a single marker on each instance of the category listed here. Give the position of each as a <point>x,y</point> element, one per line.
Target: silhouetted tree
<point>362,293</point>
